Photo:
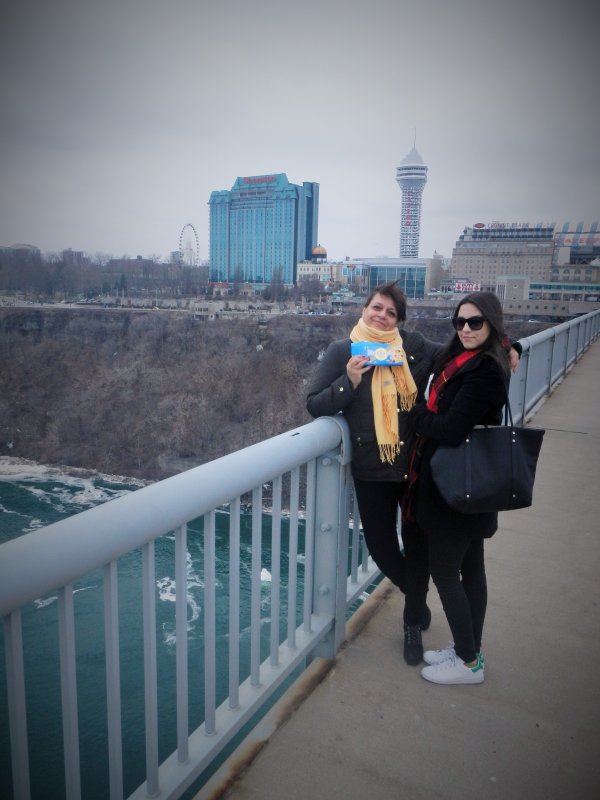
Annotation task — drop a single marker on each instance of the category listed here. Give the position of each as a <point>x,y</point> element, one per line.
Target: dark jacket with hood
<point>331,392</point>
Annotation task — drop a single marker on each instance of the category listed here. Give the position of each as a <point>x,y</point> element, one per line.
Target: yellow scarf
<point>387,383</point>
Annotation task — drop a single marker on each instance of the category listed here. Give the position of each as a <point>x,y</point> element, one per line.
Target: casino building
<point>261,229</point>
<point>542,252</point>
<point>517,248</point>
<point>542,269</point>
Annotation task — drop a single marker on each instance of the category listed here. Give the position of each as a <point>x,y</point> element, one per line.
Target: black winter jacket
<point>475,395</point>
<point>331,392</point>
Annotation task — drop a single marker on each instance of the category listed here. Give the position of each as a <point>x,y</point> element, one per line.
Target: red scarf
<point>414,460</point>
<point>442,379</point>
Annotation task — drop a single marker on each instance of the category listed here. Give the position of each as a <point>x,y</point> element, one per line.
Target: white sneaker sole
<point>435,676</point>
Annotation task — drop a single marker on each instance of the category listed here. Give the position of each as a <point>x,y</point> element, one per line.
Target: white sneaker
<point>454,670</point>
<point>437,656</point>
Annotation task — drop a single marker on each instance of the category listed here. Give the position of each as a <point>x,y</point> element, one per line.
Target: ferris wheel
<point>188,253</point>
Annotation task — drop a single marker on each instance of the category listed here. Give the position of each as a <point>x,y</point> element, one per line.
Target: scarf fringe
<point>407,401</point>
<point>388,452</point>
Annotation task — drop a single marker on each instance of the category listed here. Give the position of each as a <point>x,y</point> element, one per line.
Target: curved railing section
<point>547,357</point>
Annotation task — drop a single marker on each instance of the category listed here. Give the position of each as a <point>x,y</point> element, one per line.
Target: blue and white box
<point>379,355</point>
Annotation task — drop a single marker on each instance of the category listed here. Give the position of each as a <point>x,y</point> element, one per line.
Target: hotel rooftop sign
<point>261,179</point>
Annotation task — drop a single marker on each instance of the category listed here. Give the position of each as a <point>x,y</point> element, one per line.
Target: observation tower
<point>411,176</point>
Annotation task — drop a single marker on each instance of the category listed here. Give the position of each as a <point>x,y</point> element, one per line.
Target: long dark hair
<point>491,309</point>
<point>395,294</point>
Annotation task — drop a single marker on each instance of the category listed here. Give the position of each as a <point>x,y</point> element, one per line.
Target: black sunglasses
<point>475,323</point>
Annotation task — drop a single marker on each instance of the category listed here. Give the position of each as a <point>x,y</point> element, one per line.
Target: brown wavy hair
<point>395,294</point>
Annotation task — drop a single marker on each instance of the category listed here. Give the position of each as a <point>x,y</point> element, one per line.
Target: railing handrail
<point>546,358</point>
<point>72,547</point>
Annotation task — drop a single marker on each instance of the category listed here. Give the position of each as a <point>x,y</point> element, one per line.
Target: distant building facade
<point>519,295</point>
<point>324,272</point>
<point>516,248</point>
<point>261,229</point>
<point>572,283</point>
<point>438,273</point>
<point>576,252</point>
<point>354,275</point>
<point>410,273</point>
<point>329,273</point>
<point>74,258</point>
<point>542,252</point>
<point>411,176</point>
<point>21,254</point>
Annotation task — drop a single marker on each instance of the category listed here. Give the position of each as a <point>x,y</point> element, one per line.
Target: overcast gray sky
<point>119,117</point>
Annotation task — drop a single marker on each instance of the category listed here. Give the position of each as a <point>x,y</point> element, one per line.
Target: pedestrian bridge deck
<point>373,728</point>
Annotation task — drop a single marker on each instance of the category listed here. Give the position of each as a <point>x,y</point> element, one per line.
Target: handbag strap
<point>507,409</point>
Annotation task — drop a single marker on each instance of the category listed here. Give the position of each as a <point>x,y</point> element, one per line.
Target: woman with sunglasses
<point>468,388</point>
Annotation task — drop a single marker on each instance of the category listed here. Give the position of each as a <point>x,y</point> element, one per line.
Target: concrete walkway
<point>373,729</point>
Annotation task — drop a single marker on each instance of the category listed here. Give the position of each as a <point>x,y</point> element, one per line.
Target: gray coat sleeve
<point>330,390</point>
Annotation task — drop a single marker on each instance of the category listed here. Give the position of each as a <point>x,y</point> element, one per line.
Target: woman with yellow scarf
<point>375,401</point>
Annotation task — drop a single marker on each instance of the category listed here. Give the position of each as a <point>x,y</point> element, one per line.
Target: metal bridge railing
<point>309,467</point>
<point>547,356</point>
<point>306,468</point>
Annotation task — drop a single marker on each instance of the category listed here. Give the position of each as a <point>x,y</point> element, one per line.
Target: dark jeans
<point>378,503</point>
<point>457,567</point>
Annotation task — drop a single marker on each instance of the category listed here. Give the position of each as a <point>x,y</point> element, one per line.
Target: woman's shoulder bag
<point>493,469</point>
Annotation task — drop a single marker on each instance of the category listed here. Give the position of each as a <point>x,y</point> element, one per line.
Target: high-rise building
<point>503,248</point>
<point>542,268</point>
<point>411,176</point>
<point>576,246</point>
<point>261,229</point>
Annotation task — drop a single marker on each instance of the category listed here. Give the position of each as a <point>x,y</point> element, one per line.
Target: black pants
<point>378,503</point>
<point>457,567</point>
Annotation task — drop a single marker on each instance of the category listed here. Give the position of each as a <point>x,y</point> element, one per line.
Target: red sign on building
<point>261,179</point>
<point>467,286</point>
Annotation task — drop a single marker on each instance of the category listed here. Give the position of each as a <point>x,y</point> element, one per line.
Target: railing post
<point>68,691</point>
<point>518,385</point>
<point>549,363</point>
<point>567,349</point>
<point>17,707</point>
<point>333,484</point>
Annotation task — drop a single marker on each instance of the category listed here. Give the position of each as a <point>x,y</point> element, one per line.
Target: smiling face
<point>380,313</point>
<point>472,339</point>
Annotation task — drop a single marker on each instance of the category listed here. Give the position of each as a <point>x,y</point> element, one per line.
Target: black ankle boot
<point>413,645</point>
<point>426,621</point>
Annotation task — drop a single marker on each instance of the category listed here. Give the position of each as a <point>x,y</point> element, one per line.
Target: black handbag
<point>493,469</point>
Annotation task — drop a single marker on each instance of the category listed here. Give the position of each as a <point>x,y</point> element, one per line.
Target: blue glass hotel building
<point>409,273</point>
<point>261,229</point>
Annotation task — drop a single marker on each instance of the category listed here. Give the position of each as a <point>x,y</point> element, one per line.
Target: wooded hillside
<point>151,394</point>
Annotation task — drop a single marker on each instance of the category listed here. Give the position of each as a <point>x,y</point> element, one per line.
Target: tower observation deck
<point>411,176</point>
